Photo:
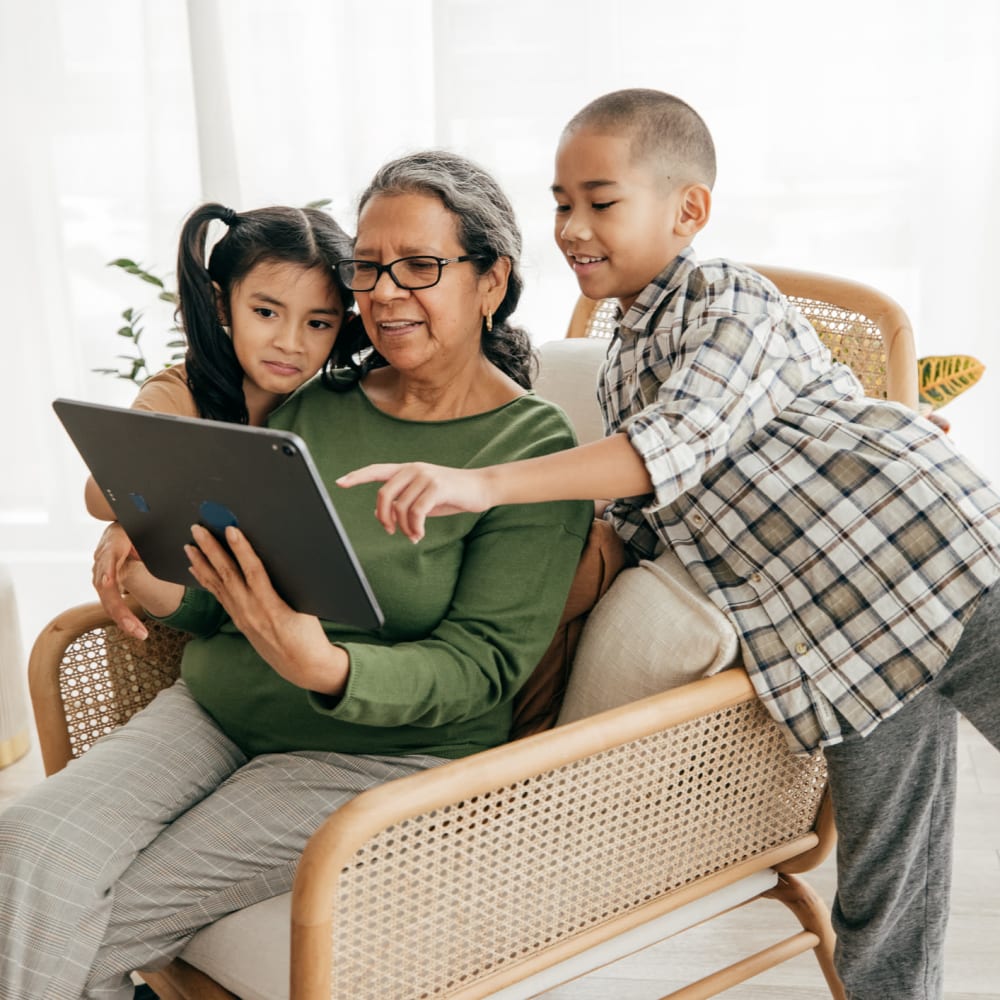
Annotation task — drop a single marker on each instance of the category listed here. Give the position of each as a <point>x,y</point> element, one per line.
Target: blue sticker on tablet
<point>140,502</point>
<point>217,517</point>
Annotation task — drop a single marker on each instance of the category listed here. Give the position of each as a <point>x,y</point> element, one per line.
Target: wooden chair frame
<point>733,801</point>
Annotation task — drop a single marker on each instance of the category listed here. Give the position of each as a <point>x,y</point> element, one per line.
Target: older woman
<point>203,803</point>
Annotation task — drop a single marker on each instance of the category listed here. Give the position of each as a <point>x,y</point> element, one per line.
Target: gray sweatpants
<point>161,828</point>
<point>894,803</point>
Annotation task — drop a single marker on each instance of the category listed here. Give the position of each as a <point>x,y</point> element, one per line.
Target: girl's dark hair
<point>486,227</point>
<point>307,237</point>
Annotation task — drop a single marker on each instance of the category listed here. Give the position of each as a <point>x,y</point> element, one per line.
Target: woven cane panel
<point>435,902</point>
<point>604,319</point>
<point>853,339</point>
<point>106,677</point>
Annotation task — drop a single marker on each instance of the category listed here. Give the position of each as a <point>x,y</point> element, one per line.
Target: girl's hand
<point>294,644</point>
<point>415,491</point>
<point>112,556</point>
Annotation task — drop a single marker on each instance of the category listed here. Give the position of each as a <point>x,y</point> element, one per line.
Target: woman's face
<point>284,320</point>
<point>431,330</point>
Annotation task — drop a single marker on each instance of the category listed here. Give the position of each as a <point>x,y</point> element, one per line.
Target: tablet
<point>162,473</point>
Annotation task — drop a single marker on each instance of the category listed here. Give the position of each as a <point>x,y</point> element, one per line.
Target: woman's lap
<point>163,826</point>
<point>69,839</point>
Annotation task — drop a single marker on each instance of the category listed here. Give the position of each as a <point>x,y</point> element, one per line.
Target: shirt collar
<point>660,289</point>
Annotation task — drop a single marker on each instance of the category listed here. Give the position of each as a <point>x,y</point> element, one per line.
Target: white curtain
<point>859,139</point>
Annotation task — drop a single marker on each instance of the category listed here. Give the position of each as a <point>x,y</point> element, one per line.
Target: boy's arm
<point>415,491</point>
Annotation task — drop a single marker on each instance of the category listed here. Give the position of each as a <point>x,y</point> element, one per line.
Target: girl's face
<point>284,320</point>
<point>430,331</point>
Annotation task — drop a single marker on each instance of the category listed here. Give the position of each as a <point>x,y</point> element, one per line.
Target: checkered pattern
<point>845,537</point>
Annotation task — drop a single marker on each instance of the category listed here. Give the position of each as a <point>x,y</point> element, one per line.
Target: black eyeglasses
<point>411,273</point>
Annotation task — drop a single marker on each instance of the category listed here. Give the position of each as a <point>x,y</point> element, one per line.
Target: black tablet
<point>162,473</point>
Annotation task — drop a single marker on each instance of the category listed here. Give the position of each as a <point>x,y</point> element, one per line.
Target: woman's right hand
<point>113,553</point>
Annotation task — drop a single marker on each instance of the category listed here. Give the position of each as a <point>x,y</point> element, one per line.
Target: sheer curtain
<point>866,145</point>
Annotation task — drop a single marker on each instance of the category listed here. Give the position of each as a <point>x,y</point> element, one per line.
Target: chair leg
<point>180,981</point>
<point>812,913</point>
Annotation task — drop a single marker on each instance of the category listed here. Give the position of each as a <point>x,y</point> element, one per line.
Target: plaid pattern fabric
<point>844,537</point>
<point>161,828</point>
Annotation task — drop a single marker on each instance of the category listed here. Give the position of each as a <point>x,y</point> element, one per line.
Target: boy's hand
<point>415,491</point>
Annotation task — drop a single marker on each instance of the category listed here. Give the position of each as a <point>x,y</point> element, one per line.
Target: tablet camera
<point>288,449</point>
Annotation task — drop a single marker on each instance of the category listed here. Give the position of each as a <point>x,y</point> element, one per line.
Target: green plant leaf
<point>941,378</point>
<point>170,297</point>
<point>125,331</point>
<point>122,262</point>
<point>320,203</point>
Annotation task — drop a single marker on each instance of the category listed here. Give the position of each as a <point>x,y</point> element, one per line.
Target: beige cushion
<point>567,376</point>
<point>653,630</point>
<point>537,704</point>
<point>248,952</point>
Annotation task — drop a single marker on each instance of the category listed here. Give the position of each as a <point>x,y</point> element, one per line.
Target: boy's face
<point>617,222</point>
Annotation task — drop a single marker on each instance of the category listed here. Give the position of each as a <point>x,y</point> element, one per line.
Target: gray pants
<point>894,803</point>
<point>161,828</point>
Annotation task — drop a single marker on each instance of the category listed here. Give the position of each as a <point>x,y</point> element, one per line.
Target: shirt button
<point>698,519</point>
<point>755,578</point>
<point>801,648</point>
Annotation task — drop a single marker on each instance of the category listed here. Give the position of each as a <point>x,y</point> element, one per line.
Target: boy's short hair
<point>666,132</point>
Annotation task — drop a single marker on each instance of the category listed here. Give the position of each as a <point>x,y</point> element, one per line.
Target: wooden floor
<point>973,948</point>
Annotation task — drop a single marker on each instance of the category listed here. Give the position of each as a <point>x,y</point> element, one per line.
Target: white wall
<point>866,145</point>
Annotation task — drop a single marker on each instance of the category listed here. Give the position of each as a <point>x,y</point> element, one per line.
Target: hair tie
<point>229,216</point>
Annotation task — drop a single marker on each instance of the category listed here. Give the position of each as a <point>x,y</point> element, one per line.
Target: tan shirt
<point>167,392</point>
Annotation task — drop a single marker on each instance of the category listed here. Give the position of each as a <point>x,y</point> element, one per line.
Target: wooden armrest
<point>491,865</point>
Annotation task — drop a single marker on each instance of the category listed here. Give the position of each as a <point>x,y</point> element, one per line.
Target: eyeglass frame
<point>381,269</point>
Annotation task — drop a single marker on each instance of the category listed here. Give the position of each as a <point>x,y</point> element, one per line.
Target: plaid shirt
<point>844,537</point>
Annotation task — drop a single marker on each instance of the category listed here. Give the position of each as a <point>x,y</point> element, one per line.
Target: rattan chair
<point>863,327</point>
<point>511,871</point>
<point>597,837</point>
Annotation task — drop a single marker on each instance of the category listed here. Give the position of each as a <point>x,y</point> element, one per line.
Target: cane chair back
<point>862,327</point>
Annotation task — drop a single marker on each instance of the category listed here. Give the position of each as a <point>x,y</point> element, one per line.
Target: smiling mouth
<point>390,327</point>
<point>578,260</point>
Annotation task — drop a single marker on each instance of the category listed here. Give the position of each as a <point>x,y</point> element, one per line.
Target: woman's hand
<point>294,644</point>
<point>112,556</point>
<point>415,491</point>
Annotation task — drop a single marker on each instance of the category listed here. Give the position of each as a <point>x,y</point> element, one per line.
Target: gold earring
<point>489,320</point>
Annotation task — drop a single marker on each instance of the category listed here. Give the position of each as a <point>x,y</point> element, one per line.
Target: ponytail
<point>213,371</point>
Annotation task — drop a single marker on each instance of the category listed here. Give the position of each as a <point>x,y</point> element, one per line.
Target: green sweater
<point>468,611</point>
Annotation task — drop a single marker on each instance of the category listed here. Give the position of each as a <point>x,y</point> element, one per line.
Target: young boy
<point>854,550</point>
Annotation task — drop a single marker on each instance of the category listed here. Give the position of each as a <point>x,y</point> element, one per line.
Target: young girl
<point>261,318</point>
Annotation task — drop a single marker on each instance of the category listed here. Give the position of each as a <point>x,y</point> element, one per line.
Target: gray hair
<point>487,228</point>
